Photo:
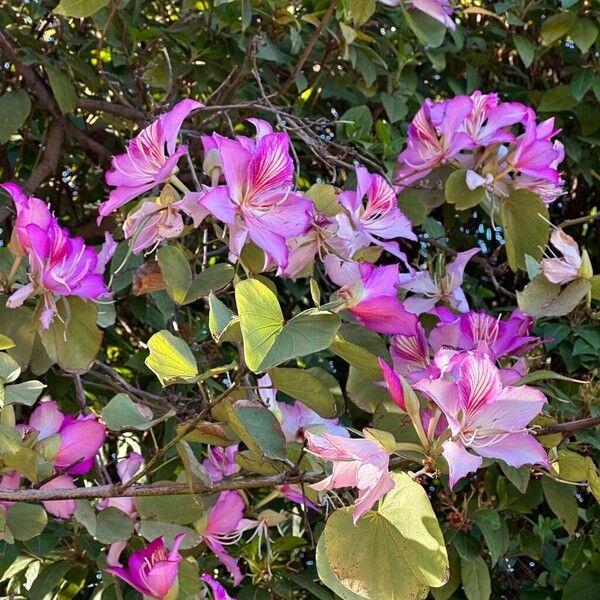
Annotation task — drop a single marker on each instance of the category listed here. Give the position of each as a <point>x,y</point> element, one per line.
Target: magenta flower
<point>153,570</point>
<point>127,468</point>
<point>410,353</point>
<point>146,163</point>
<point>433,289</point>
<point>379,218</point>
<point>294,493</point>
<point>434,136</point>
<point>58,264</point>
<point>224,525</point>
<point>486,419</point>
<point>566,268</point>
<point>359,463</point>
<point>220,462</point>
<point>370,295</point>
<point>257,201</point>
<point>219,592</point>
<point>152,222</point>
<point>440,10</point>
<point>80,438</point>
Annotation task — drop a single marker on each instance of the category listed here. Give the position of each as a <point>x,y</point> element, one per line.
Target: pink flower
<point>297,420</point>
<point>127,468</point>
<point>359,463</point>
<point>295,494</point>
<point>379,218</point>
<point>146,164</point>
<point>370,295</point>
<point>257,201</point>
<point>440,10</point>
<point>58,264</point>
<point>486,419</point>
<point>9,481</point>
<point>63,509</point>
<point>568,267</point>
<point>154,221</point>
<point>434,137</point>
<point>432,289</point>
<point>219,592</point>
<point>80,438</point>
<point>224,525</point>
<point>410,353</point>
<point>220,462</point>
<point>153,570</point>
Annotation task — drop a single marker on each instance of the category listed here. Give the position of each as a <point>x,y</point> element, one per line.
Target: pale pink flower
<point>9,481</point>
<point>63,509</point>
<point>127,468</point>
<point>220,462</point>
<point>440,10</point>
<point>297,420</point>
<point>151,158</point>
<point>359,463</point>
<point>567,268</point>
<point>432,290</point>
<point>486,418</point>
<point>257,201</point>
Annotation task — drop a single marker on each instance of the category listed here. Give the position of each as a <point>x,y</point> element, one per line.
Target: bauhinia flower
<point>151,158</point>
<point>379,219</point>
<point>359,463</point>
<point>410,353</point>
<point>486,418</point>
<point>569,266</point>
<point>297,419</point>
<point>127,468</point>
<point>369,294</point>
<point>59,265</point>
<point>440,10</point>
<point>257,201</point>
<point>218,591</point>
<point>220,462</point>
<point>432,289</point>
<point>153,570</point>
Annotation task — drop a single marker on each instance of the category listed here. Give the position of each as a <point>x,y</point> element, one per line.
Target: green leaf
<point>556,99</point>
<point>584,33</point>
<point>176,270</point>
<point>304,386</point>
<point>395,107</point>
<point>544,375</point>
<point>14,109</point>
<point>429,31</point>
<point>123,413</point>
<point>495,535</point>
<point>324,197</point>
<point>395,553</point>
<point>458,192</point>
<point>79,8</point>
<point>581,83</point>
<point>74,346</point>
<point>25,393</point>
<point>210,280</point>
<point>519,477</point>
<point>258,427</point>
<point>25,521</point>
<point>153,529</point>
<point>582,585</point>
<point>525,48</point>
<point>63,89</point>
<point>6,342</point>
<point>358,357</point>
<point>556,26</point>
<point>540,298</point>
<point>267,341</point>
<point>476,579</point>
<point>525,221</point>
<point>361,10</point>
<point>113,525</point>
<point>561,499</point>
<point>48,579</point>
<point>182,509</point>
<point>171,359</point>
<point>9,368</point>
<point>356,123</point>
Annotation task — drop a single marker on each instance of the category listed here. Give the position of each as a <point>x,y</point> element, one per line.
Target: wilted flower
<point>439,287</point>
<point>359,463</point>
<point>370,295</point>
<point>58,264</point>
<point>257,200</point>
<point>153,570</point>
<point>566,268</point>
<point>484,416</point>
<point>146,163</point>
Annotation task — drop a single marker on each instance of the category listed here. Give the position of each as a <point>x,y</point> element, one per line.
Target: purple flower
<point>220,462</point>
<point>153,570</point>
<point>486,418</point>
<point>257,201</point>
<point>219,592</point>
<point>379,218</point>
<point>433,289</point>
<point>370,295</point>
<point>146,163</point>
<point>440,10</point>
<point>58,264</point>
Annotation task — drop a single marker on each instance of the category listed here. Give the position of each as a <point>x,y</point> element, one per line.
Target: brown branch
<point>568,427</point>
<point>50,157</point>
<point>308,49</point>
<point>119,110</point>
